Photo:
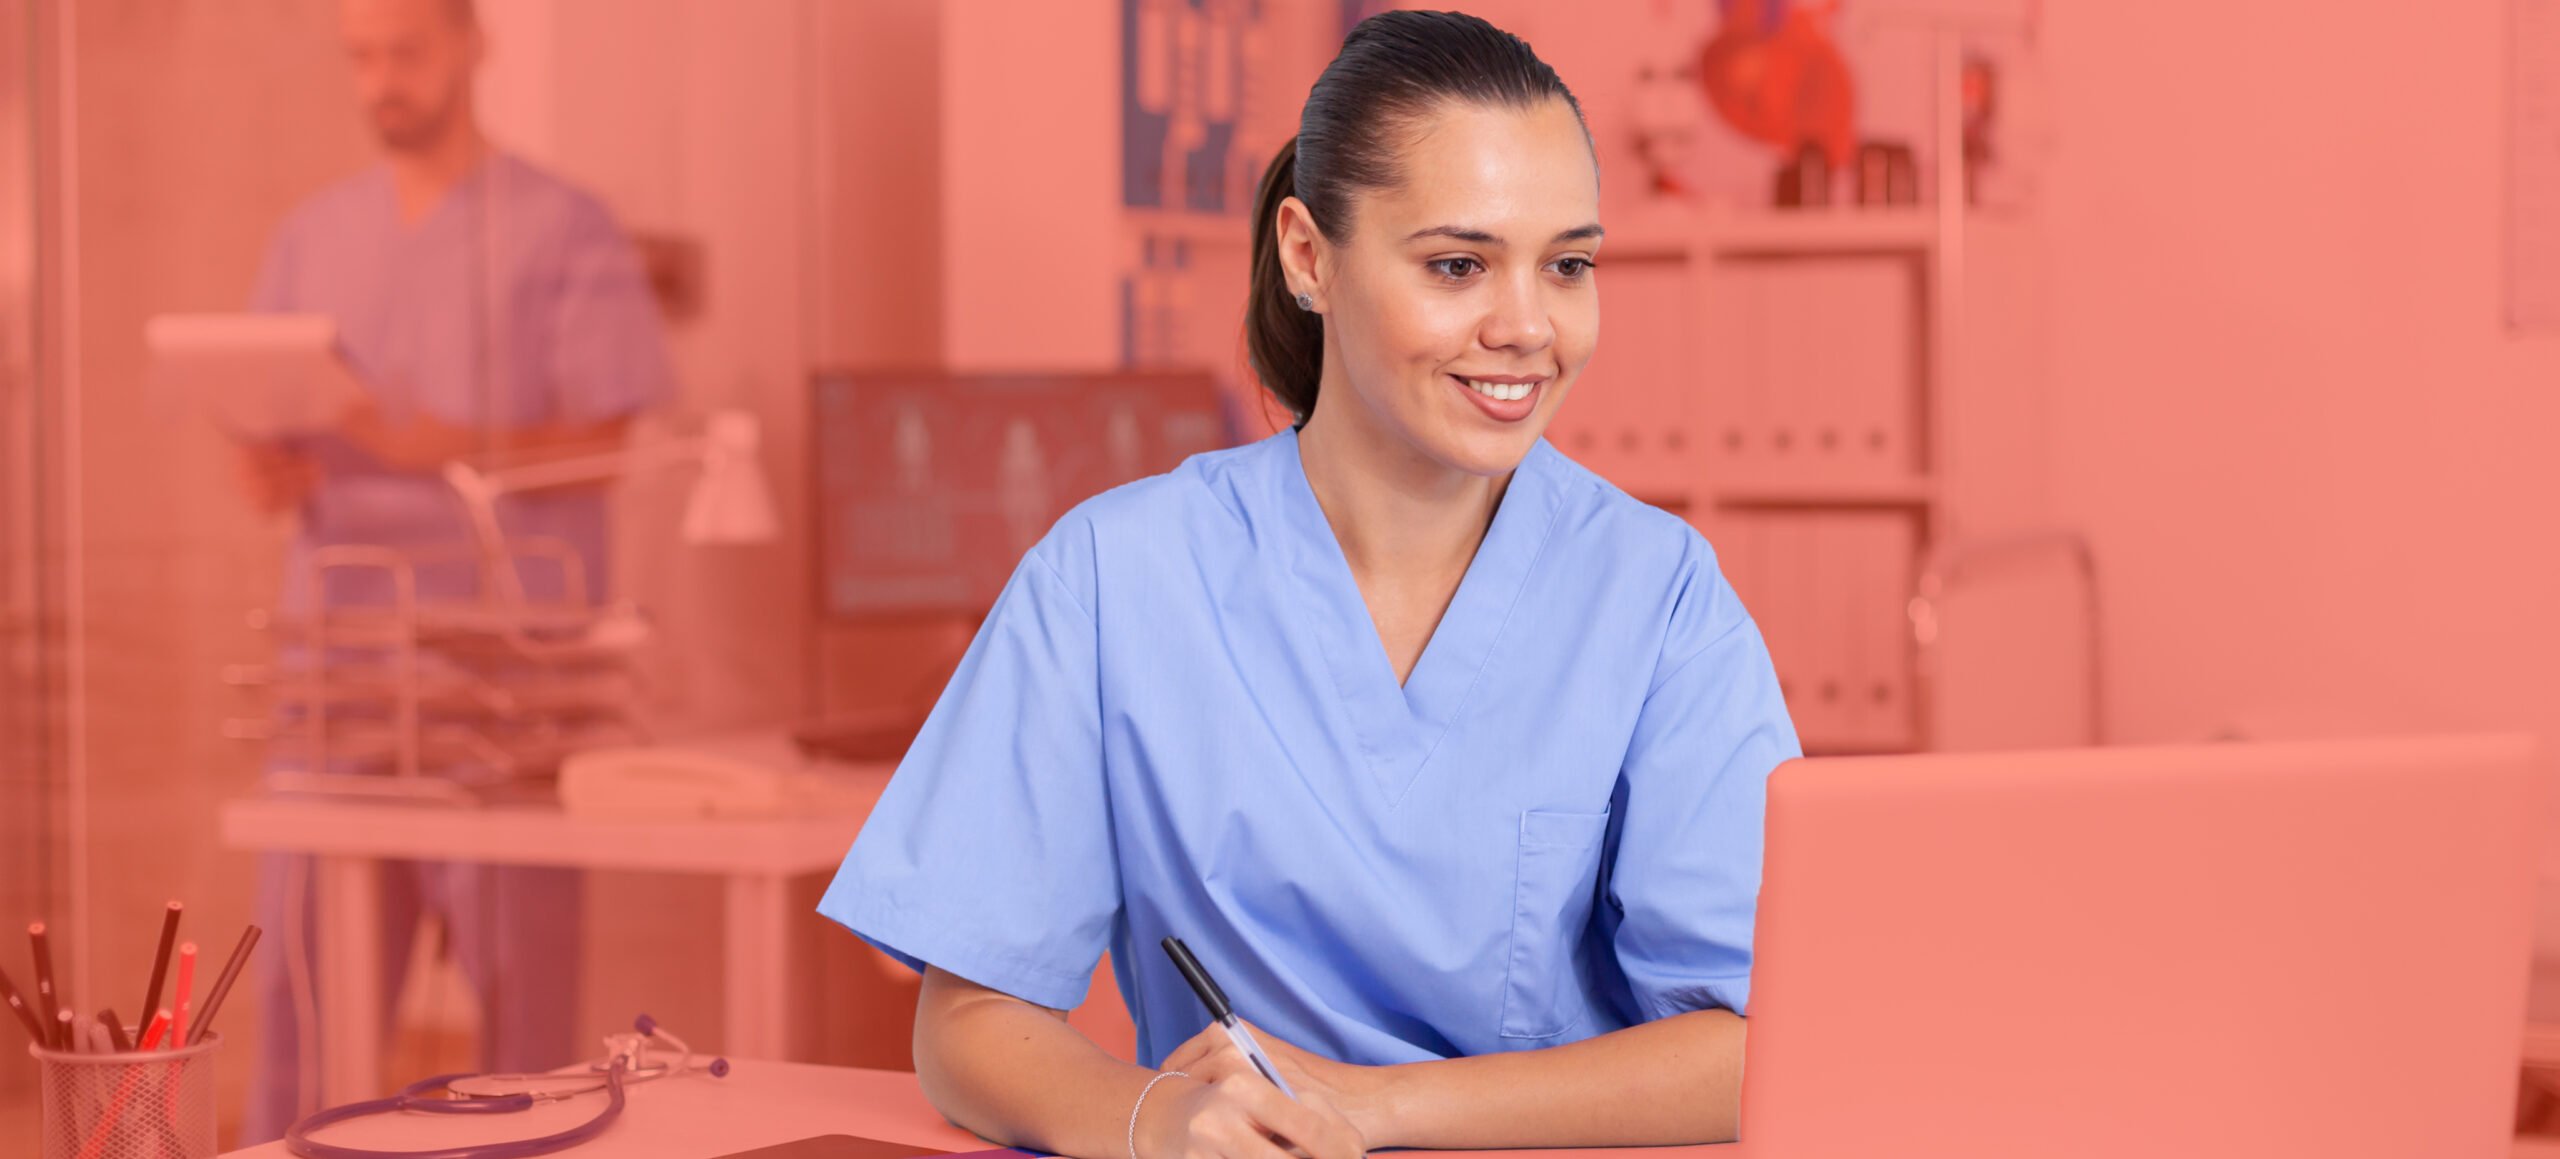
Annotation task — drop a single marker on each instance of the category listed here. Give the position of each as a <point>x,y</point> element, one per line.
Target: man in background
<point>495,314</point>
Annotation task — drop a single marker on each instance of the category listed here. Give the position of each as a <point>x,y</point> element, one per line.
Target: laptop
<point>2216,951</point>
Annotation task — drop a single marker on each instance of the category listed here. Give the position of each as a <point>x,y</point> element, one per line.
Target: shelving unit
<point>1918,494</point>
<point>1725,232</point>
<point>1823,524</point>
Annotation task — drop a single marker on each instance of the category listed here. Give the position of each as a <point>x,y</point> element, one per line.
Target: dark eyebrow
<point>1459,232</point>
<point>1591,232</point>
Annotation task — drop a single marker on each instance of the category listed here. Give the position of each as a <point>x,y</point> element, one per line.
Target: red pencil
<point>185,994</point>
<point>159,1027</point>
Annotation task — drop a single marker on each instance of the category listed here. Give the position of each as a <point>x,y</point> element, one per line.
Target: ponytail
<point>1284,343</point>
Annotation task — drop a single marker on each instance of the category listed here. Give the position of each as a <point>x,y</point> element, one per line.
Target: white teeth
<point>1501,391</point>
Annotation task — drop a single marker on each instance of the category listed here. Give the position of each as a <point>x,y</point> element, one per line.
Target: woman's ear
<point>1301,249</point>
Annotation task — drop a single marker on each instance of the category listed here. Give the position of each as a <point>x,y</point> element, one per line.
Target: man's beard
<point>410,129</point>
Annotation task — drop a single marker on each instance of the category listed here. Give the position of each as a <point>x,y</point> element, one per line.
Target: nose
<point>1516,318</point>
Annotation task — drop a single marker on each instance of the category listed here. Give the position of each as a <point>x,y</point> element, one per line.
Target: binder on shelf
<point>1782,551</point>
<point>1829,557</point>
<point>1793,343</point>
<point>1878,549</point>
<point>1829,332</point>
<point>1828,589</point>
<point>1875,378</point>
<point>1731,320</point>
<point>1747,551</point>
<point>1821,378</point>
<point>1633,418</point>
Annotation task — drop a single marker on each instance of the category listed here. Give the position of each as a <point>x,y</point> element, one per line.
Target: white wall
<point>2321,476</point>
<point>1030,167</point>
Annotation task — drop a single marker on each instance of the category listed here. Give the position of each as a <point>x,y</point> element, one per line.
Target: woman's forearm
<point>1674,1080</point>
<point>1018,1075</point>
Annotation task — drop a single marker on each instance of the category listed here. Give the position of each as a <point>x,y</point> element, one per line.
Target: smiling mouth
<point>1500,391</point>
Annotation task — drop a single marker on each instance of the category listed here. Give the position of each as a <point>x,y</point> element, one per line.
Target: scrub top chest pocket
<point>1558,879</point>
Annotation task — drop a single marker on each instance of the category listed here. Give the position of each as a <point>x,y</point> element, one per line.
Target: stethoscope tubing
<point>297,1138</point>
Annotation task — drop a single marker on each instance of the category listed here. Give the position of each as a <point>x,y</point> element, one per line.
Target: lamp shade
<point>730,503</point>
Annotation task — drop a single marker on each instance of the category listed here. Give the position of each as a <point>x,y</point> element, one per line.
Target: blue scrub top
<point>1179,719</point>
<point>515,301</point>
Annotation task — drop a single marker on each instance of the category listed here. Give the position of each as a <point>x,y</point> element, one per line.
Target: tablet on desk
<point>856,1147</point>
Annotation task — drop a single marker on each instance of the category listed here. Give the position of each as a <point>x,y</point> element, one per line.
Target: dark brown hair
<point>1391,71</point>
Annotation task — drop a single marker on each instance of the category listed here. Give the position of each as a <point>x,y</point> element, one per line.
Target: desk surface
<point>695,1117</point>
<point>758,1105</point>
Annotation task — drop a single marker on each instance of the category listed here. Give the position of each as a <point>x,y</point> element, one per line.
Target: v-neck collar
<point>1400,727</point>
<point>455,199</point>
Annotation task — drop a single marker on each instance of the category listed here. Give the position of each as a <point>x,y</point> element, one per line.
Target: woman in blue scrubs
<point>1444,755</point>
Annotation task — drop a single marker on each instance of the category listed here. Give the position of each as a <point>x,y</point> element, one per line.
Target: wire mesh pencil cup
<point>155,1104</point>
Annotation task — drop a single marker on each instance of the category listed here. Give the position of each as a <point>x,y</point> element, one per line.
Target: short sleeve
<point>990,854</point>
<point>609,348</point>
<point>1685,882</point>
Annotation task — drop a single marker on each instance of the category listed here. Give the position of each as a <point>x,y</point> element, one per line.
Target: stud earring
<point>1306,301</point>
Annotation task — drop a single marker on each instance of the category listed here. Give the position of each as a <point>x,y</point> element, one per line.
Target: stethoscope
<point>626,1061</point>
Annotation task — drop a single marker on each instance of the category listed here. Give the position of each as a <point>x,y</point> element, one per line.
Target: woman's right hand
<point>1241,1116</point>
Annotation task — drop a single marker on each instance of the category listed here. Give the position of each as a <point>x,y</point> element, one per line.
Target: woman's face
<point>1464,304</point>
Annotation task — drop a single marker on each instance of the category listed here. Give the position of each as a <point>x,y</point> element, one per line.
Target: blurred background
<point>2043,374</point>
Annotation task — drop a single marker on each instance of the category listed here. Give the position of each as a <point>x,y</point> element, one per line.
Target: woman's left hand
<point>1358,1091</point>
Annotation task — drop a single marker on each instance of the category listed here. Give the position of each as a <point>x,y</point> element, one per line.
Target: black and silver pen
<point>1225,1015</point>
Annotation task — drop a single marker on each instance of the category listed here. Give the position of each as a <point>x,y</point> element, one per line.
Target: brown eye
<point>1455,269</point>
<point>1574,268</point>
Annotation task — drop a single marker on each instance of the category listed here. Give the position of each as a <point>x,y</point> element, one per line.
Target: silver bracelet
<point>1142,1102</point>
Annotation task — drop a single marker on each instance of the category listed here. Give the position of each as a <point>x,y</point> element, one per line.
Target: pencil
<point>160,961</point>
<point>186,984</point>
<point>26,1017</point>
<point>66,1032</point>
<point>46,1004</point>
<point>222,983</point>
<point>115,1032</point>
<point>124,1091</point>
